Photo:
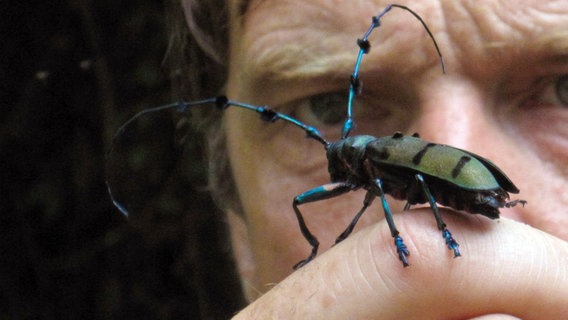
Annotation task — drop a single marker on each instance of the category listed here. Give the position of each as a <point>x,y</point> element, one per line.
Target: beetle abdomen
<point>484,202</point>
<point>400,183</point>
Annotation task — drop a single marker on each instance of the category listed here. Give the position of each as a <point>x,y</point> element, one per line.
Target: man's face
<point>501,98</point>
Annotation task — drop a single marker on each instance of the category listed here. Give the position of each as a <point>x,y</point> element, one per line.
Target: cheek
<point>267,181</point>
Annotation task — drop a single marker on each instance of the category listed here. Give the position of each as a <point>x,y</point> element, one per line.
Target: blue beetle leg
<point>432,201</point>
<point>401,249</point>
<point>451,243</point>
<point>369,197</point>
<point>320,193</point>
<point>446,234</point>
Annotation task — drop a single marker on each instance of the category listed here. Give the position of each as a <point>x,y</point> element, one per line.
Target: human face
<point>498,99</point>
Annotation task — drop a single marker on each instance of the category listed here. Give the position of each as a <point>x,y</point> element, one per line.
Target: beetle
<point>405,167</point>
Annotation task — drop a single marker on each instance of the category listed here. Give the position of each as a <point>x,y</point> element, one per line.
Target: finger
<point>506,268</point>
<point>495,317</point>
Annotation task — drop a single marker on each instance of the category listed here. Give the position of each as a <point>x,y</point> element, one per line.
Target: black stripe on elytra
<point>418,156</point>
<point>459,166</point>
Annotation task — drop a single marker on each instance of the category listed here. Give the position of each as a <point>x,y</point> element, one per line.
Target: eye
<point>542,122</point>
<point>551,92</point>
<point>328,109</point>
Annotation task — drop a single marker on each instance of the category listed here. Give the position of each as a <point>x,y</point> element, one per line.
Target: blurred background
<point>71,72</point>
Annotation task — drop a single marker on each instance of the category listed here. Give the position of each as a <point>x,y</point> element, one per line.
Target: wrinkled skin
<point>497,100</point>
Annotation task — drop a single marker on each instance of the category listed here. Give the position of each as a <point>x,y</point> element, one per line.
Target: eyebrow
<point>538,53</point>
<point>300,53</point>
<point>556,42</point>
<point>298,61</point>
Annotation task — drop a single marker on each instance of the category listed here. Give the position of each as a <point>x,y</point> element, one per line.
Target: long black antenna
<point>266,114</point>
<point>355,87</point>
<point>270,115</point>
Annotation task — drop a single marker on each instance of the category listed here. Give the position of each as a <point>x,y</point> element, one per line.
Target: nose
<point>454,111</point>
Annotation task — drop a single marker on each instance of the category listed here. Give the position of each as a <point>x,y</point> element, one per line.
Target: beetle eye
<point>329,108</point>
<point>562,89</point>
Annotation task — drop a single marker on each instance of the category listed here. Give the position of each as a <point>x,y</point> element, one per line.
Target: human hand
<point>506,267</point>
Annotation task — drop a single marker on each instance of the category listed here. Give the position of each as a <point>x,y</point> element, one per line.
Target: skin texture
<point>497,100</point>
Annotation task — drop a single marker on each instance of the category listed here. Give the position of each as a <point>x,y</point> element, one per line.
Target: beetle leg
<point>406,206</point>
<point>400,246</point>
<point>369,197</point>
<point>323,192</point>
<point>450,242</point>
<point>432,201</point>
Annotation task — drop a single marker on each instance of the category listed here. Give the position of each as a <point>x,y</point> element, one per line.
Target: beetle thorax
<point>346,158</point>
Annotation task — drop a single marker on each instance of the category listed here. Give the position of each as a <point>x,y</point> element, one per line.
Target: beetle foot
<point>401,250</point>
<point>515,202</point>
<point>451,243</point>
<point>307,260</point>
<point>300,264</point>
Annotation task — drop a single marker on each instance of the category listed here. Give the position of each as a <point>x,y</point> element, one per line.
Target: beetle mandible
<point>406,167</point>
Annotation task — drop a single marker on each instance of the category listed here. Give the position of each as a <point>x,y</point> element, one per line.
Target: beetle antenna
<point>222,103</point>
<point>269,115</point>
<point>355,84</point>
<point>180,106</point>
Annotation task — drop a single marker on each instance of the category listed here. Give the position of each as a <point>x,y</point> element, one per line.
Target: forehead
<point>291,39</point>
<point>271,31</point>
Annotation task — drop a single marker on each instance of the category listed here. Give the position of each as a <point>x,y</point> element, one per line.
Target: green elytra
<point>441,161</point>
